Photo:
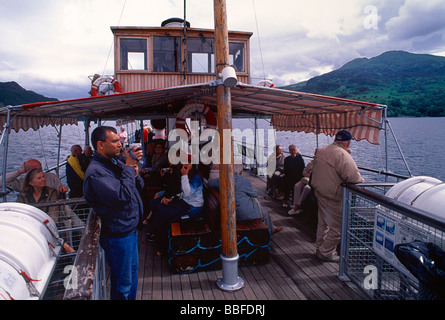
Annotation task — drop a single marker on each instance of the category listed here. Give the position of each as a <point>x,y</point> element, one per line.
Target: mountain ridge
<point>11,93</point>
<point>409,84</point>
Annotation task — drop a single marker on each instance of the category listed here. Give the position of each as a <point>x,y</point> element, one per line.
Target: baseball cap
<point>343,135</point>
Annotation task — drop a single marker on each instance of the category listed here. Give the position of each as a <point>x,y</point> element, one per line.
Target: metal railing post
<point>344,236</point>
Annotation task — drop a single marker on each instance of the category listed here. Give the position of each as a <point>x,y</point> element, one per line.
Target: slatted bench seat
<point>196,245</point>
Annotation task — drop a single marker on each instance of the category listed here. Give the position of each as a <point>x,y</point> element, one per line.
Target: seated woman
<point>36,191</point>
<point>151,173</point>
<point>274,179</point>
<point>171,207</point>
<point>301,190</point>
<point>151,170</point>
<point>171,186</point>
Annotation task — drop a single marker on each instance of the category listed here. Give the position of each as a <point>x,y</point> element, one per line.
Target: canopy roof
<point>289,110</point>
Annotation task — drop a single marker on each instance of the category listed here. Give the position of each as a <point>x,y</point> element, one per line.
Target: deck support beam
<point>229,254</point>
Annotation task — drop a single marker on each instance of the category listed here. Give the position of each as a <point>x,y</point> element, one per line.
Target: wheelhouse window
<point>200,55</point>
<point>201,58</point>
<point>133,54</point>
<point>166,54</point>
<point>236,56</point>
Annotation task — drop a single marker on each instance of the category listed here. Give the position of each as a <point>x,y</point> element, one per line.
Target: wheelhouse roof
<point>289,110</point>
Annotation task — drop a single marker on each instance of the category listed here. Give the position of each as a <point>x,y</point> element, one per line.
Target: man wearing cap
<point>333,165</point>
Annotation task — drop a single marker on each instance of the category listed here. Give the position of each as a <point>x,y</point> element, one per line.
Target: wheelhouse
<point>173,54</point>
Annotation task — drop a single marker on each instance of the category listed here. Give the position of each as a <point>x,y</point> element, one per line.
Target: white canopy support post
<point>385,127</point>
<point>399,148</point>
<point>5,142</point>
<point>255,147</point>
<point>317,130</point>
<point>59,135</point>
<point>87,130</point>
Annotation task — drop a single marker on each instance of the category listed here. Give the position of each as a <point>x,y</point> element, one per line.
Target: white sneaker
<point>292,212</point>
<point>333,257</point>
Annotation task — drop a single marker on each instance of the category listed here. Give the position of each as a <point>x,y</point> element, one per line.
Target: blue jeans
<point>122,257</point>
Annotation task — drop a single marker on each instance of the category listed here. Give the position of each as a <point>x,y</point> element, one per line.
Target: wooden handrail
<point>84,269</point>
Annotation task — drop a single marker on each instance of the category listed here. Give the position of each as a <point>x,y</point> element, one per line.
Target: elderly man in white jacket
<point>333,165</point>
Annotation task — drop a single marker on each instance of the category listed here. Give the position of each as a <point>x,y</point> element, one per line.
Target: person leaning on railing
<point>16,182</point>
<point>36,191</point>
<point>332,166</point>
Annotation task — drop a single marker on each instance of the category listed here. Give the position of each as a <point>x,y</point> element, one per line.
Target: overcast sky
<point>52,46</point>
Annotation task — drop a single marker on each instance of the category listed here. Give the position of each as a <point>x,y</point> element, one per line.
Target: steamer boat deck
<point>292,273</point>
<point>173,95</point>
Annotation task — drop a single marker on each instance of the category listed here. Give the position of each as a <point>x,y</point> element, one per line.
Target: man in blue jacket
<point>112,188</point>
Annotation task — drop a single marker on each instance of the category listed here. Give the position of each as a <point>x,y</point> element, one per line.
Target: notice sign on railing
<point>390,230</point>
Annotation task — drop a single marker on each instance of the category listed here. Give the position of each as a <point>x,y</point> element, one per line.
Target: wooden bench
<point>196,245</point>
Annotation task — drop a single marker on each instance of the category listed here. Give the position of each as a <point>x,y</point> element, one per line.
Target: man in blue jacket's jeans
<point>112,188</point>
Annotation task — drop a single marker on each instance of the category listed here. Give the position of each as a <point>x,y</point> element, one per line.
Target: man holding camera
<point>112,188</point>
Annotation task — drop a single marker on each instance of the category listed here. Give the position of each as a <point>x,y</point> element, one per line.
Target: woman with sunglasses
<point>36,191</point>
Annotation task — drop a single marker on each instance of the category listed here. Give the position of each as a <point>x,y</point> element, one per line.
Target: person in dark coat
<point>112,188</point>
<point>246,200</point>
<point>293,172</point>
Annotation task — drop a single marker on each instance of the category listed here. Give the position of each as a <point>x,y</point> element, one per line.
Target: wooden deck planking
<point>296,243</point>
<point>293,272</point>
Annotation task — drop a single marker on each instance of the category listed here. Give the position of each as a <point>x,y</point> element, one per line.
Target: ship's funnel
<point>174,23</point>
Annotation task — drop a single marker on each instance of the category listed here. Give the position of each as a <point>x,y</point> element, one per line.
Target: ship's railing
<point>372,225</point>
<point>80,274</point>
<point>88,277</point>
<point>245,152</point>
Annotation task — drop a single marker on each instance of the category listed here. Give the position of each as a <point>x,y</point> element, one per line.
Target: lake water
<point>421,140</point>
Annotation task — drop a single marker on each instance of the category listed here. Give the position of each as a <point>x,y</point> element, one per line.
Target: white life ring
<point>159,134</point>
<point>187,111</point>
<point>117,88</point>
<point>266,83</point>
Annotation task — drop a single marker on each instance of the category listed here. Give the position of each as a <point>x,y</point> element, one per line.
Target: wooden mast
<point>229,254</point>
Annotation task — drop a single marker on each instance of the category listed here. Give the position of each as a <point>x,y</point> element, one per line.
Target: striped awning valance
<point>363,124</point>
<point>28,122</point>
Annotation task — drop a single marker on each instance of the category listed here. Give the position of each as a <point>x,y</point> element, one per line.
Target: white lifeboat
<point>425,193</point>
<point>29,249</point>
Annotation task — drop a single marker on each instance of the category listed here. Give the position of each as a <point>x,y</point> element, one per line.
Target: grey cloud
<point>288,50</point>
<point>5,66</point>
<point>417,19</point>
<point>403,25</point>
<point>61,91</point>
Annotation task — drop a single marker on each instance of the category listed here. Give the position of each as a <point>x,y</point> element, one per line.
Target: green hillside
<point>409,84</point>
<point>11,93</point>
